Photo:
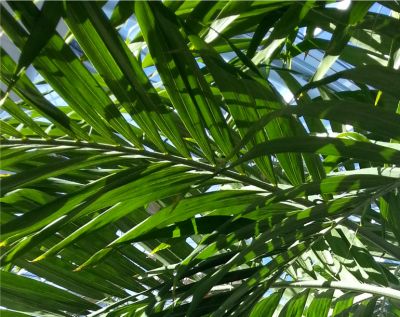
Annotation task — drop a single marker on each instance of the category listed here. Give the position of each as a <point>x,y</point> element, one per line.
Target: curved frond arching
<point>200,158</point>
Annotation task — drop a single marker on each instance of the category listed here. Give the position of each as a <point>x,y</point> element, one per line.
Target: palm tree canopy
<point>200,158</point>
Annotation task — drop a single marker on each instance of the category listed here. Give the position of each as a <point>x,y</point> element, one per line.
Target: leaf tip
<point>39,258</point>
<point>80,268</point>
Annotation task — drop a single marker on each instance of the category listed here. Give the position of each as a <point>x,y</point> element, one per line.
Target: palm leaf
<point>199,159</point>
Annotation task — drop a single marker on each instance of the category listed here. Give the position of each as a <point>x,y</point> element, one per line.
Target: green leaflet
<point>88,200</point>
<point>374,75</point>
<point>157,181</point>
<point>158,218</point>
<point>29,93</point>
<point>294,307</point>
<point>77,86</point>
<point>262,274</point>
<point>248,98</point>
<point>44,29</point>
<point>320,304</point>
<point>366,117</point>
<point>59,271</point>
<point>122,73</point>
<point>389,203</point>
<point>266,306</point>
<point>373,270</point>
<point>284,26</point>
<point>342,304</point>
<point>186,209</point>
<point>257,247</point>
<point>333,184</point>
<point>9,129</point>
<point>193,226</point>
<point>34,294</point>
<point>183,84</point>
<point>366,307</point>
<point>374,238</point>
<point>8,313</point>
<point>38,218</point>
<point>51,170</point>
<point>18,113</point>
<point>341,36</point>
<point>325,146</point>
<point>351,54</point>
<point>122,11</point>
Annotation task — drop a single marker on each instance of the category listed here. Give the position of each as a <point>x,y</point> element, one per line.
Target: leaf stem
<point>342,285</point>
<point>373,238</point>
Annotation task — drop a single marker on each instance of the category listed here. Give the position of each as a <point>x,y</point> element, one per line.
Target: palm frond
<point>200,158</point>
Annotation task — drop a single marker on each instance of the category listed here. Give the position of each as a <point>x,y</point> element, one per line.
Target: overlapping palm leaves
<point>175,180</point>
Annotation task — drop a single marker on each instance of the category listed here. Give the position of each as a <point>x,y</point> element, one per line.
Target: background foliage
<point>219,159</point>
